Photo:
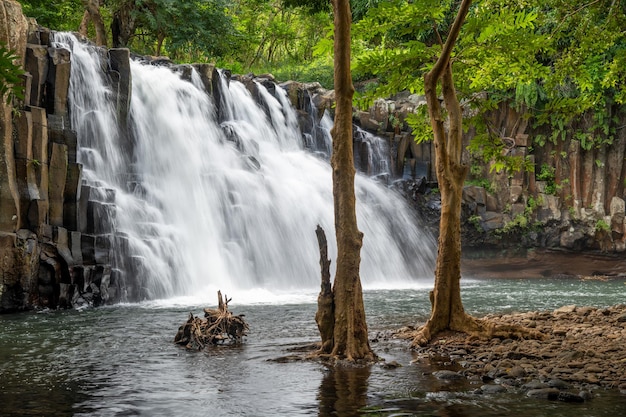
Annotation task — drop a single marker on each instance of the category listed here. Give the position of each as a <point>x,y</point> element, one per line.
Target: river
<point>120,360</point>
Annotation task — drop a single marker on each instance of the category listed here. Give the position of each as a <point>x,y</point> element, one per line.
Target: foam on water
<point>233,204</point>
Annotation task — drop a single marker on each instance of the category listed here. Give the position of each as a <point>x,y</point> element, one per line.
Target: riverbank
<point>541,263</point>
<point>583,353</point>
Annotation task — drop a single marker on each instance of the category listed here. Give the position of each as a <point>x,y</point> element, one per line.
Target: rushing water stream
<point>203,203</point>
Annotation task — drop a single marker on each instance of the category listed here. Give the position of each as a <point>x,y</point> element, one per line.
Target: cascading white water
<point>232,205</point>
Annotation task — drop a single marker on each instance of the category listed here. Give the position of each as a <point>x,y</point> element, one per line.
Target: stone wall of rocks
<point>56,231</point>
<point>580,207</point>
<point>58,241</point>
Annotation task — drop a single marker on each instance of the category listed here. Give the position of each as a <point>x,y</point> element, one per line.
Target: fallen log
<point>219,326</point>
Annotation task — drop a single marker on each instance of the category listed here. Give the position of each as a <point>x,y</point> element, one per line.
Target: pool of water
<point>120,360</point>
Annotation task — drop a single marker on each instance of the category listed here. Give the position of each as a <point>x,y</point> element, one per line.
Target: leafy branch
<point>10,81</point>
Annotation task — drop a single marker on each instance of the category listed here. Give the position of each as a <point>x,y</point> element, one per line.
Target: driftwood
<point>219,326</point>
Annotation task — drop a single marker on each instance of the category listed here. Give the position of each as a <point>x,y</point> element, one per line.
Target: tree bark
<point>123,24</point>
<point>92,8</point>
<point>350,339</point>
<point>84,24</point>
<point>325,316</point>
<point>447,307</point>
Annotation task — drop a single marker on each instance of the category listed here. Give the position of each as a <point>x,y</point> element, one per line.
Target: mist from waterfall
<point>232,205</point>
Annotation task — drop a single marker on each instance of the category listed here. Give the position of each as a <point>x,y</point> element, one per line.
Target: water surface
<point>120,360</point>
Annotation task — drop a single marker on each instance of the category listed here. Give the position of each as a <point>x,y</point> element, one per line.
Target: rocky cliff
<point>568,197</point>
<point>58,244</point>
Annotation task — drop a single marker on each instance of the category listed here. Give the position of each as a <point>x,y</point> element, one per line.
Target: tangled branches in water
<point>219,326</point>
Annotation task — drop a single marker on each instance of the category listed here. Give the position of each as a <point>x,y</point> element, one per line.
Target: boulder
<point>617,213</point>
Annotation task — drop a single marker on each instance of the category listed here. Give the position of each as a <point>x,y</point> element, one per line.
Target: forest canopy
<point>557,59</point>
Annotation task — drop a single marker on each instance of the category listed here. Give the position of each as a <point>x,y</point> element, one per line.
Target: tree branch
<point>446,52</point>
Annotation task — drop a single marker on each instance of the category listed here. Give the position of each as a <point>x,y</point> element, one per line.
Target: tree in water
<point>447,308</point>
<point>341,312</point>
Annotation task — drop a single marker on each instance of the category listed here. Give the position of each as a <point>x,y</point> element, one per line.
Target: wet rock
<point>534,385</point>
<point>492,389</point>
<point>447,375</point>
<point>543,393</point>
<point>517,372</point>
<point>566,309</point>
<point>390,365</point>
<point>558,383</point>
<point>568,397</point>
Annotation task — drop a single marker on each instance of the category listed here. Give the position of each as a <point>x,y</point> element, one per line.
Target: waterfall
<point>203,203</point>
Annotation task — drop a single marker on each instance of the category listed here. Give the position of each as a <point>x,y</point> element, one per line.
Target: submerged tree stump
<point>325,316</point>
<point>219,326</point>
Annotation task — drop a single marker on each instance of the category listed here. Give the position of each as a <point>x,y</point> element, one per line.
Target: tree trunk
<point>447,308</point>
<point>123,24</point>
<point>350,332</point>
<point>92,8</point>
<point>159,47</point>
<point>325,316</point>
<point>84,24</point>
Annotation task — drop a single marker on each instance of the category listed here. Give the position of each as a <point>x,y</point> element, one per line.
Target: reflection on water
<point>343,391</point>
<point>120,360</point>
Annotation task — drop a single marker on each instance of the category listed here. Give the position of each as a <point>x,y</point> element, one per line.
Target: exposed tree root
<point>219,326</point>
<point>480,328</point>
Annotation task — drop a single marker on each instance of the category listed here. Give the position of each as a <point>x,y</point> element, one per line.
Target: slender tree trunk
<point>84,24</point>
<point>92,9</point>
<point>325,316</point>
<point>447,307</point>
<point>123,24</point>
<point>159,48</point>
<point>350,331</point>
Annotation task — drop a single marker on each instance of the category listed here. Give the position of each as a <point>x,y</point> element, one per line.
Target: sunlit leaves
<point>10,81</point>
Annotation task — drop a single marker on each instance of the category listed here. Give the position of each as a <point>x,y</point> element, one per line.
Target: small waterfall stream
<point>233,204</point>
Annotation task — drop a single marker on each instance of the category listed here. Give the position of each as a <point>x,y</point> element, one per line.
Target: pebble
<point>542,393</point>
<point>492,389</point>
<point>447,375</point>
<point>583,346</point>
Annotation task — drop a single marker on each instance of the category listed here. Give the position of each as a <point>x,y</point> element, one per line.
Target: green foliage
<point>193,30</point>
<point>547,174</point>
<point>475,221</point>
<point>320,70</point>
<point>10,81</point>
<point>602,226</point>
<point>58,14</point>
<point>481,182</point>
<point>519,222</point>
<point>419,122</point>
<point>288,39</point>
<point>532,204</point>
<point>562,63</point>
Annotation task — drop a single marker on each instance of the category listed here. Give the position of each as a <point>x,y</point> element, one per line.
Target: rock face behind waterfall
<point>58,242</point>
<point>55,240</point>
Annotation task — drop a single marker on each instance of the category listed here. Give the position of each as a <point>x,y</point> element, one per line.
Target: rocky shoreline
<point>582,353</point>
